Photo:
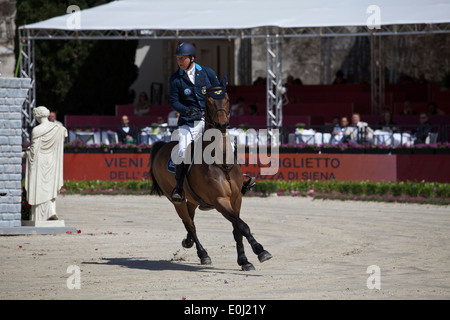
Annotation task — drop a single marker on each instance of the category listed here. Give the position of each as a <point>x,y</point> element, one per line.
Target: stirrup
<point>177,197</point>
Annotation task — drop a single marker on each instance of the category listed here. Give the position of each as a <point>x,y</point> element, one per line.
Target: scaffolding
<point>273,36</point>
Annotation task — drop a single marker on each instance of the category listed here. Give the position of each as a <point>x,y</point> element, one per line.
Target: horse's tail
<point>156,189</point>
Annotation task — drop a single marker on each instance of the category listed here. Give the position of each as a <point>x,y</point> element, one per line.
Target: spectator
<point>338,130</point>
<point>161,125</point>
<point>259,81</point>
<point>289,80</point>
<point>253,110</point>
<point>434,110</point>
<point>359,131</point>
<point>143,106</point>
<point>334,123</point>
<point>423,130</point>
<point>238,108</point>
<point>339,78</point>
<point>172,118</point>
<point>407,109</point>
<point>387,124</point>
<point>52,118</point>
<point>126,133</point>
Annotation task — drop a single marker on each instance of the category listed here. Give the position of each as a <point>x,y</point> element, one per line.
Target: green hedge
<point>409,191</point>
<point>408,188</point>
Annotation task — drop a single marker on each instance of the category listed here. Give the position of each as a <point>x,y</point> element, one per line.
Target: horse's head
<point>217,106</point>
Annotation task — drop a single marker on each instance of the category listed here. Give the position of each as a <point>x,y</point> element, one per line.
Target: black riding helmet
<point>186,49</point>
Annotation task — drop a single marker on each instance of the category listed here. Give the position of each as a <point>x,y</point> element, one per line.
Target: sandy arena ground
<point>130,248</point>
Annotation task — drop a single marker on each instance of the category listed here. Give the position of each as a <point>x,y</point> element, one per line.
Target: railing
<point>311,135</point>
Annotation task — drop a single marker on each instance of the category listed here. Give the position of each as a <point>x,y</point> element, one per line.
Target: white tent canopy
<point>246,14</point>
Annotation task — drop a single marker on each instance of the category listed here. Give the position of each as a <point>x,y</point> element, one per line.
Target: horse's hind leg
<point>188,242</point>
<point>183,213</point>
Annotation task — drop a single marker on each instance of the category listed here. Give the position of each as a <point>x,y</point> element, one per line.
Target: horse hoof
<point>206,260</point>
<point>187,243</point>
<point>247,267</point>
<point>264,256</point>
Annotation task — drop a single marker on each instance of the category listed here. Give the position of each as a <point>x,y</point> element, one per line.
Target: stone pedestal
<point>48,223</point>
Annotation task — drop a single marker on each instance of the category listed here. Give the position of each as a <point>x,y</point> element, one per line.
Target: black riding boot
<point>177,193</point>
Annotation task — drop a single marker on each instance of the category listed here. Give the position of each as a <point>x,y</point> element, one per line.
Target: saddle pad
<point>171,166</point>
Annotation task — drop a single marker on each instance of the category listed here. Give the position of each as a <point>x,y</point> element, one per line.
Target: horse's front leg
<point>241,257</point>
<point>240,227</point>
<point>183,213</point>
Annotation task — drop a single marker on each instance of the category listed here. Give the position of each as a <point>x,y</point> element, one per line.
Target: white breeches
<point>188,134</point>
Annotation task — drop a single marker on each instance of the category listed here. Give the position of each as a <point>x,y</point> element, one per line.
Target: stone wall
<point>13,92</point>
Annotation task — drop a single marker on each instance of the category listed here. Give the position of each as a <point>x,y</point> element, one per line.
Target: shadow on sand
<point>160,265</point>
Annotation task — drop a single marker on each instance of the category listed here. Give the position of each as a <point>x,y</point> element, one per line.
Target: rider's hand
<point>194,112</point>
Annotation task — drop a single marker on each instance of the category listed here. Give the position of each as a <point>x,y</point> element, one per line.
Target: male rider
<point>187,96</point>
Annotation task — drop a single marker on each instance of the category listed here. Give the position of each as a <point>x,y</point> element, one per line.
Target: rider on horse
<point>187,96</point>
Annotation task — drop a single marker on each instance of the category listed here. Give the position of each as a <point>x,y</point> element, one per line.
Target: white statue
<point>44,166</point>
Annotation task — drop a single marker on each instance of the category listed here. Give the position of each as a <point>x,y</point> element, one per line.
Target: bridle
<point>210,119</point>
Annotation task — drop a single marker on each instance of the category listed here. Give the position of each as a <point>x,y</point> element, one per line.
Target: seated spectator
<point>126,133</point>
<point>338,130</point>
<point>289,80</point>
<point>142,107</point>
<point>339,78</point>
<point>387,124</point>
<point>330,127</point>
<point>407,109</point>
<point>160,126</point>
<point>297,81</point>
<point>253,110</point>
<point>238,108</point>
<point>423,130</point>
<point>358,131</point>
<point>434,110</point>
<point>259,81</point>
<point>172,118</point>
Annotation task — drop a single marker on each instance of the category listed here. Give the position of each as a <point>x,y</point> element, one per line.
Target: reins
<point>226,168</point>
<point>210,119</point>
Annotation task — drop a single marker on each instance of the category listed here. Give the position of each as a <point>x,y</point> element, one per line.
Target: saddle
<point>202,204</point>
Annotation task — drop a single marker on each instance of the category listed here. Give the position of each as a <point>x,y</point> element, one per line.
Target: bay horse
<point>208,186</point>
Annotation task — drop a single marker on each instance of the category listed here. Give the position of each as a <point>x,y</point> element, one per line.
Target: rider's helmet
<point>185,49</point>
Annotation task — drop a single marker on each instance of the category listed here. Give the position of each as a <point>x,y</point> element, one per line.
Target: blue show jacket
<point>184,95</point>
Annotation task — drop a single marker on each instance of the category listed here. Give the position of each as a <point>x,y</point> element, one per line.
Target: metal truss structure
<point>274,35</point>
<point>275,89</point>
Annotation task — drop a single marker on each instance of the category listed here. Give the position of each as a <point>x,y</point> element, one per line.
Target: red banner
<point>135,166</point>
<point>306,166</point>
